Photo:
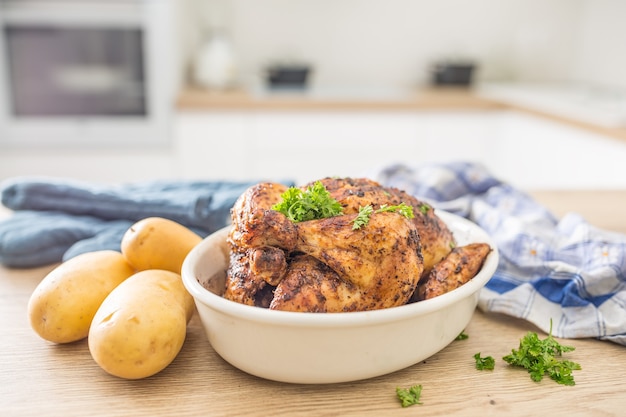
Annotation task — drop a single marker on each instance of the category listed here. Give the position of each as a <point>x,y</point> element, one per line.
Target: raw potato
<point>158,243</point>
<point>62,306</point>
<point>141,326</point>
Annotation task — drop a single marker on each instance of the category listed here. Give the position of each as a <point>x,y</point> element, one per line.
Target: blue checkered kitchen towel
<point>55,219</point>
<point>565,270</point>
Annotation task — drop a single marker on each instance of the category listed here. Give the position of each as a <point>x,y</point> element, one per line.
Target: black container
<point>453,74</point>
<point>280,76</point>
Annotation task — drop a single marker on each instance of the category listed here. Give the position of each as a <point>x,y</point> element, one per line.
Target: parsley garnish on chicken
<point>363,218</point>
<point>313,203</point>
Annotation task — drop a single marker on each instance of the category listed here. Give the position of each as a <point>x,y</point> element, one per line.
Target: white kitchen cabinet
<point>304,146</point>
<point>313,145</point>
<point>308,146</point>
<point>524,150</point>
<point>534,153</point>
<point>460,136</point>
<point>213,145</point>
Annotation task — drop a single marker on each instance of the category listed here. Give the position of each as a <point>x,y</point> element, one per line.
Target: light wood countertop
<point>426,99</point>
<point>450,98</point>
<point>39,378</point>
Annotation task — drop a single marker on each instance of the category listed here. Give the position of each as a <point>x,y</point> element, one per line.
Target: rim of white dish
<point>258,314</point>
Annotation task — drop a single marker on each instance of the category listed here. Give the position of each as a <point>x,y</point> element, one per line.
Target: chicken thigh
<point>311,286</point>
<point>376,266</point>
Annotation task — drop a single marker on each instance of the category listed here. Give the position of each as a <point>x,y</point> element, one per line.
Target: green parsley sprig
<point>313,203</point>
<point>405,210</point>
<point>424,208</point>
<point>539,357</point>
<point>409,396</point>
<point>363,217</point>
<point>486,363</point>
<point>462,336</point>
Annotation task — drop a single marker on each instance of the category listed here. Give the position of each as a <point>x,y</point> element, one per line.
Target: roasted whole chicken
<point>328,264</point>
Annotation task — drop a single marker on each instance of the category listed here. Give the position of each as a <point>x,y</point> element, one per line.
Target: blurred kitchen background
<point>127,90</point>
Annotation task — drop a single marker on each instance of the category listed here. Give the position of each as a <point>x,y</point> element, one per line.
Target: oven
<point>85,73</point>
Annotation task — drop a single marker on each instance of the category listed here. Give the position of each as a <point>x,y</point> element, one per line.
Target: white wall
<point>393,42</point>
<point>601,59</point>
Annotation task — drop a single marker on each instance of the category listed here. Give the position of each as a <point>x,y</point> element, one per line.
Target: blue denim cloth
<point>56,219</point>
<point>564,270</point>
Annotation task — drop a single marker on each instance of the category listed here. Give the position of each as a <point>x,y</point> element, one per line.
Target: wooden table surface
<point>42,379</point>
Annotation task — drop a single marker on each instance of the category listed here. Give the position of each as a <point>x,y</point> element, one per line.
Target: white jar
<point>215,63</point>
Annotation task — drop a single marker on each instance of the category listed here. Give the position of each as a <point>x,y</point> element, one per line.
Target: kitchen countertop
<point>258,99</point>
<point>39,378</point>
<point>443,98</point>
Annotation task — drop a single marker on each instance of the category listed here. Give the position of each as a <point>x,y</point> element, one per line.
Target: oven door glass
<point>75,71</point>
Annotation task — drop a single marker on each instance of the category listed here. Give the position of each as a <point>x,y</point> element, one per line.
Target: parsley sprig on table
<point>539,357</point>
<point>363,218</point>
<point>313,203</point>
<point>409,396</point>
<point>486,363</point>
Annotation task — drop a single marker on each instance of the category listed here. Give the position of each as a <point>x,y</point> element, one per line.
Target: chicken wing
<point>256,224</point>
<point>461,265</point>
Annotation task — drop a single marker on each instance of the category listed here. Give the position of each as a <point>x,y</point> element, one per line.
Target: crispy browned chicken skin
<point>461,265</point>
<point>256,224</point>
<point>373,267</point>
<point>324,265</point>
<point>376,266</point>
<point>259,240</point>
<point>436,239</point>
